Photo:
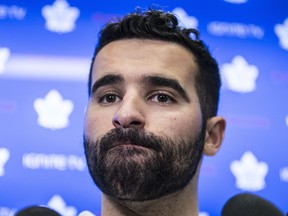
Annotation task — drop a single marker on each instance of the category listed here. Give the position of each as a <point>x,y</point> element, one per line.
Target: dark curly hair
<point>159,25</point>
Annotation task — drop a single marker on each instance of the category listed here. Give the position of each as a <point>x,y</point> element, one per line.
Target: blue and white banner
<point>45,53</point>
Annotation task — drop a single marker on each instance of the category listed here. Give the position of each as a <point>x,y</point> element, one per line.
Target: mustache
<point>121,136</point>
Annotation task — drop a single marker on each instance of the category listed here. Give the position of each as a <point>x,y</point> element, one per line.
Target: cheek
<point>186,126</point>
<point>179,125</point>
<point>96,123</point>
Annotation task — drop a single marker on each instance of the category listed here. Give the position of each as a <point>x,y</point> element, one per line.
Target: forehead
<point>135,57</point>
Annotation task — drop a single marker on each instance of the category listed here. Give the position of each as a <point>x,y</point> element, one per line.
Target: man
<point>154,91</point>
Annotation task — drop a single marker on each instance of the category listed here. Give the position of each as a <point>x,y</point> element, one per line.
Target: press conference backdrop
<point>45,52</point>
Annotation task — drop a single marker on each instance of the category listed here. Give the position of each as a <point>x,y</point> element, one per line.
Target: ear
<point>215,128</point>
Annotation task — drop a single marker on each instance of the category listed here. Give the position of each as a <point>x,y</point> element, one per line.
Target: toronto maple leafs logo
<point>4,157</point>
<point>53,112</point>
<point>281,31</point>
<point>184,19</point>
<point>249,173</point>
<point>60,17</point>
<point>239,76</point>
<point>58,204</point>
<point>86,213</point>
<point>4,56</point>
<point>236,1</point>
<point>284,174</point>
<point>203,214</point>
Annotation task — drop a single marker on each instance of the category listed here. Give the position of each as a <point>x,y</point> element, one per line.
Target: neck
<point>184,203</point>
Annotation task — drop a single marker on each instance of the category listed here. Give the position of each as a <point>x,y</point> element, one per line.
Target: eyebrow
<point>167,82</point>
<point>112,79</point>
<point>106,80</point>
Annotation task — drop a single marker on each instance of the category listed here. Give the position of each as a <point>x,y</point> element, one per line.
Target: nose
<point>129,114</point>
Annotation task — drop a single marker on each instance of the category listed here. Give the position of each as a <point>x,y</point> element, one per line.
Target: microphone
<point>247,204</point>
<point>37,211</point>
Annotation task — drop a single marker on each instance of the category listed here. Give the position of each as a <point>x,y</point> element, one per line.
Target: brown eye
<point>162,98</point>
<point>109,98</point>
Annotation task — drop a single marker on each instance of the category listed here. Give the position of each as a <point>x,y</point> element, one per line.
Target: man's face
<point>143,129</point>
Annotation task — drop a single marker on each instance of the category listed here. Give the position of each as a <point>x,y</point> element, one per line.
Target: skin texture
<point>164,110</point>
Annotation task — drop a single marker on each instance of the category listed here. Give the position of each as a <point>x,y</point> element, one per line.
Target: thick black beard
<point>133,165</point>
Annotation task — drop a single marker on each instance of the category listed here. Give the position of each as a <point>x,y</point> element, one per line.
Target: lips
<point>129,138</point>
<point>129,145</point>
